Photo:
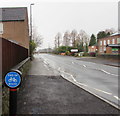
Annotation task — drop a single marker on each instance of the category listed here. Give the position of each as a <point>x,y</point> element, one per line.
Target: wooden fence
<point>12,54</point>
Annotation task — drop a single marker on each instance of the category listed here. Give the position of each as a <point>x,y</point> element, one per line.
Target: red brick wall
<point>92,49</point>
<point>108,49</point>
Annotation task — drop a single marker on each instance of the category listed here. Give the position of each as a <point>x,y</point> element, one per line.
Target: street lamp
<point>31,21</point>
<point>30,30</point>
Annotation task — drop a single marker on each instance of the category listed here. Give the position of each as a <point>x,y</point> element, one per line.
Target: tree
<point>84,38</point>
<point>86,48</point>
<point>80,47</point>
<point>92,40</point>
<point>109,31</point>
<point>58,40</point>
<point>73,37</point>
<point>33,46</point>
<point>35,42</point>
<point>38,39</point>
<point>66,39</point>
<point>101,34</point>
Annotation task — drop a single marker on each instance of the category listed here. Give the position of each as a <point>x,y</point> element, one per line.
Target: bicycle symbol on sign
<point>12,79</point>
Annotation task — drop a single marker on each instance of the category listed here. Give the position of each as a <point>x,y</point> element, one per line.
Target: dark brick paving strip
<point>54,95</point>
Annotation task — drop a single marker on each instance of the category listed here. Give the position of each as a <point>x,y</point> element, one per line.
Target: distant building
<point>93,48</point>
<point>14,25</point>
<point>109,45</point>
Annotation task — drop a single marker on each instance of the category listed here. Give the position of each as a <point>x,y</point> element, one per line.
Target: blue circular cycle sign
<point>13,79</point>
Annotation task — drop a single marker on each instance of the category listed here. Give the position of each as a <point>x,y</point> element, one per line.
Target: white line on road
<point>84,66</point>
<point>59,68</point>
<point>117,98</point>
<point>73,78</point>
<point>77,82</point>
<point>73,63</point>
<point>82,84</point>
<point>108,72</point>
<point>46,67</point>
<point>102,91</point>
<point>45,62</point>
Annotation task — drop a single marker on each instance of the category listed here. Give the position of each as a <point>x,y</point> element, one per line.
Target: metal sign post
<point>13,81</point>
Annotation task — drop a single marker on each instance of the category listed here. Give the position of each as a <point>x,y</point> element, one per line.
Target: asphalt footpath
<point>45,92</point>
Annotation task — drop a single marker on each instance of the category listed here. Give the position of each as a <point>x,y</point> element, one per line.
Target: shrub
<point>93,54</point>
<point>85,54</point>
<point>67,53</point>
<point>76,54</point>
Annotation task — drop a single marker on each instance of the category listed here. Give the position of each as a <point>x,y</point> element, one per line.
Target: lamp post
<point>31,27</point>
<point>31,20</point>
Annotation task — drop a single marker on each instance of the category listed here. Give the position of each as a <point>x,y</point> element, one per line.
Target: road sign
<point>12,79</point>
<point>74,50</point>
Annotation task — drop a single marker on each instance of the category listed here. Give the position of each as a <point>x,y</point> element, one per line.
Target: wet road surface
<point>46,92</point>
<point>99,79</point>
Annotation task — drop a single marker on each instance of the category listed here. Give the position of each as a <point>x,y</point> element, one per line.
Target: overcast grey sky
<point>52,16</point>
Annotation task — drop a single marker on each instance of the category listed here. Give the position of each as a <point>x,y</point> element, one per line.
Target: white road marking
<point>46,67</point>
<point>73,63</point>
<point>102,91</point>
<point>84,66</point>
<point>108,72</point>
<point>82,84</point>
<point>59,68</point>
<point>85,84</point>
<point>73,78</point>
<point>45,62</point>
<point>117,97</point>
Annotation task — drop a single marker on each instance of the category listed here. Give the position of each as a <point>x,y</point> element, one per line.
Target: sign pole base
<point>13,102</point>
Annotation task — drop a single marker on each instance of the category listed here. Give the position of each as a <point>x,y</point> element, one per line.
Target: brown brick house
<point>15,25</point>
<point>93,48</point>
<point>109,45</point>
<point>14,37</point>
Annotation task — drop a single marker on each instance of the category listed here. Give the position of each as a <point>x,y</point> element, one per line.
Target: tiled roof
<point>117,33</point>
<point>13,14</point>
<point>113,45</point>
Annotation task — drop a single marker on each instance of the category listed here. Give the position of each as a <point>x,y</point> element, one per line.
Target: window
<point>104,48</point>
<point>104,42</point>
<point>113,41</point>
<point>100,49</point>
<point>108,42</point>
<point>118,40</point>
<point>100,42</point>
<point>1,28</point>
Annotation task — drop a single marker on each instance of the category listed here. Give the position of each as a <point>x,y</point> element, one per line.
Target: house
<point>14,37</point>
<point>93,48</point>
<point>109,45</point>
<point>15,25</point>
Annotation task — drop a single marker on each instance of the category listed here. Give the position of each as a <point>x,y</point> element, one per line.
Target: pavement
<point>46,92</point>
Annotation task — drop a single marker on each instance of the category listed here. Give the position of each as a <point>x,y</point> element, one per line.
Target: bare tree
<point>77,41</point>
<point>84,37</point>
<point>66,39</point>
<point>58,40</point>
<point>73,37</point>
<point>38,39</point>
